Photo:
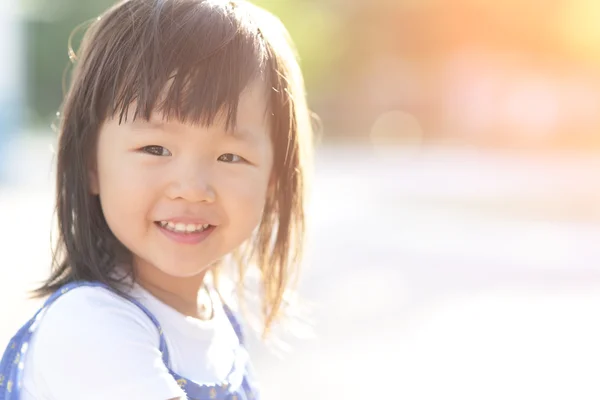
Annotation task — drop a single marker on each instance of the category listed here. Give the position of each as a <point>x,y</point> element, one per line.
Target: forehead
<point>252,106</point>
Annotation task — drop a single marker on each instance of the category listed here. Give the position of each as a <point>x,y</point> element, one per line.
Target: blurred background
<point>455,215</point>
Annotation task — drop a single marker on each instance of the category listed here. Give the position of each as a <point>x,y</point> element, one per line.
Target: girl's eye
<point>230,158</point>
<point>156,150</point>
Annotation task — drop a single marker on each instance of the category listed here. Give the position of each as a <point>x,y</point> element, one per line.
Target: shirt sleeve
<point>93,344</point>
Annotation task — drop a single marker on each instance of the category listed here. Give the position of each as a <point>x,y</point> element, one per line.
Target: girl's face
<point>160,183</point>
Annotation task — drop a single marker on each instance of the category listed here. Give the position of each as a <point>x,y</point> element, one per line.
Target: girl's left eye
<point>156,150</point>
<point>230,158</point>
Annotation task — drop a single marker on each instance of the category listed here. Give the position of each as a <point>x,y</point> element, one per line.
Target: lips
<point>181,227</point>
<point>179,233</point>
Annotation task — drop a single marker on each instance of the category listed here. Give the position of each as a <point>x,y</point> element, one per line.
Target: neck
<point>181,293</point>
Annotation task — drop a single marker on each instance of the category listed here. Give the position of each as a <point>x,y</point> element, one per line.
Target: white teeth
<point>190,228</point>
<point>183,228</point>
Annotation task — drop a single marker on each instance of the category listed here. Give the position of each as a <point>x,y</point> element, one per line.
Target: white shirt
<point>93,344</point>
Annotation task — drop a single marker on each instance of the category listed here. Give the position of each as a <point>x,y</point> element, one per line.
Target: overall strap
<point>237,327</point>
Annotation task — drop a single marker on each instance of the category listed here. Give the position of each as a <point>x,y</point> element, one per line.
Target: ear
<point>94,186</point>
<point>272,181</point>
<point>271,188</point>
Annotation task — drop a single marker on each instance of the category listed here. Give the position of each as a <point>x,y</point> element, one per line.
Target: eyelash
<point>241,159</point>
<point>147,149</point>
<point>158,150</point>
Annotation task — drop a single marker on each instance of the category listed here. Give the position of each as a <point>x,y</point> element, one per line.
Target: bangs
<point>188,60</point>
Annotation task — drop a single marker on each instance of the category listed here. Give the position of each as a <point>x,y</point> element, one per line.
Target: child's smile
<point>185,231</point>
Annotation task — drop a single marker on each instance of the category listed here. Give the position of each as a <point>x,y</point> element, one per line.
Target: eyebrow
<point>141,122</point>
<point>243,134</point>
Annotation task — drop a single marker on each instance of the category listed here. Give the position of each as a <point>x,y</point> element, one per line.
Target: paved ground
<point>438,273</point>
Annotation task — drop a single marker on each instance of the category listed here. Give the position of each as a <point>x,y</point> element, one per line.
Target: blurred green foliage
<point>49,23</point>
<point>315,27</point>
<point>46,34</point>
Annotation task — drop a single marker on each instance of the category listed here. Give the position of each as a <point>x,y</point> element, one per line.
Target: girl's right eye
<point>156,150</point>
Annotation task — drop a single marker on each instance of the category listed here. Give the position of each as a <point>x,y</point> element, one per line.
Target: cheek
<point>121,173</point>
<point>124,192</point>
<point>244,198</point>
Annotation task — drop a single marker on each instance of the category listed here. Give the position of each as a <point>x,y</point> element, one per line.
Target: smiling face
<point>158,178</point>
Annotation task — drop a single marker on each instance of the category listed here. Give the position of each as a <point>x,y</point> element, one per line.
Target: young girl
<point>183,145</point>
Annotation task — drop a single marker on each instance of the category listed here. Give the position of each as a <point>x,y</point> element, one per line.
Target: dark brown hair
<point>205,52</point>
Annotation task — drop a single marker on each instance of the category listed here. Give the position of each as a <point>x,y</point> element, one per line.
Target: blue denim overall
<point>238,384</point>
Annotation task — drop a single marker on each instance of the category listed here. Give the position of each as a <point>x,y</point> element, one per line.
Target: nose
<point>193,184</point>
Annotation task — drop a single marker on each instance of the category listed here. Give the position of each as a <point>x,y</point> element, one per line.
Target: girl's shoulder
<point>84,306</point>
<point>102,338</point>
<point>90,316</point>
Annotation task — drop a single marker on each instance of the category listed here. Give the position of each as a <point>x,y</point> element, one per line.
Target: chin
<point>183,268</point>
